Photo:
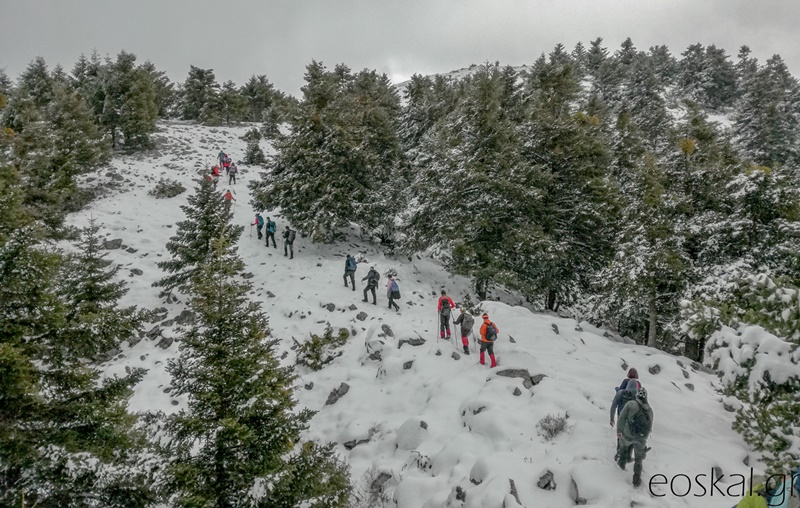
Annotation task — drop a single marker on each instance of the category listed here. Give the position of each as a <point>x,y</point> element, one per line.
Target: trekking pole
<point>251,230</point>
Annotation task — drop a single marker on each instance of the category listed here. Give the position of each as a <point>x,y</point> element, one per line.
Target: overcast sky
<point>238,38</point>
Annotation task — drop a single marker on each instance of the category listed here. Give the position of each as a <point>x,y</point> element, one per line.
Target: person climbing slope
<point>259,223</point>
<point>271,228</point>
<point>232,172</point>
<point>227,164</point>
<point>221,157</point>
<point>372,282</point>
<point>444,306</point>
<point>288,242</point>
<point>466,321</point>
<point>229,196</point>
<point>350,267</point>
<point>392,292</point>
<point>489,333</point>
<point>633,428</point>
<point>625,393</point>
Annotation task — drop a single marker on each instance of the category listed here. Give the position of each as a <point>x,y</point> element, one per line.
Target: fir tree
<point>199,89</point>
<point>163,89</point>
<point>233,103</point>
<point>238,442</point>
<point>207,215</point>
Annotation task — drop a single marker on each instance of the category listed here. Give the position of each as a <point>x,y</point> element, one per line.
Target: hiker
<point>372,282</point>
<point>392,292</point>
<point>233,170</point>
<point>350,267</point>
<point>229,196</point>
<point>489,333</point>
<point>444,306</point>
<point>632,374</point>
<point>624,395</point>
<point>215,171</point>
<point>259,223</point>
<point>271,227</point>
<point>221,157</point>
<point>227,164</point>
<point>633,428</point>
<point>288,242</point>
<point>466,321</point>
<point>777,491</point>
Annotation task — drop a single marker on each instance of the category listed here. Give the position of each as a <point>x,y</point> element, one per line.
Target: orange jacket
<point>452,303</point>
<point>483,330</point>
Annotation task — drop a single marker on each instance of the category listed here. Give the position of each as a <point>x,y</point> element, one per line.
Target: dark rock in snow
<point>186,317</point>
<point>387,330</point>
<point>154,332</point>
<point>514,491</point>
<point>131,250</point>
<point>167,323</point>
<point>680,364</point>
<point>361,316</point>
<point>512,339</point>
<point>555,328</point>
<point>418,341</point>
<point>690,386</point>
<point>175,402</point>
<point>438,353</point>
<point>330,307</point>
<point>624,365</point>
<point>352,307</point>
<point>728,408</point>
<point>527,384</point>
<point>112,244</point>
<point>337,393</point>
<point>701,368</point>
<point>574,494</point>
<point>349,445</point>
<point>423,424</point>
<point>579,328</point>
<point>407,365</point>
<point>655,369</point>
<point>517,391</point>
<point>546,481</point>
<point>248,275</point>
<point>524,375</point>
<point>134,340</point>
<point>455,356</point>
<point>270,294</point>
<point>685,374</point>
<point>309,385</point>
<point>165,342</point>
<point>284,355</point>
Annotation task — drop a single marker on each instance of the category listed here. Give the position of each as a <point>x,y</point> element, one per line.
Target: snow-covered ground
<point>432,422</point>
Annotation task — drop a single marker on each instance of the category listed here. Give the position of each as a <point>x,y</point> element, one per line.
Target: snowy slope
<point>478,425</point>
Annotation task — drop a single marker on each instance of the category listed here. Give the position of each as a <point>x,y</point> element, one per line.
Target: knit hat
<point>633,374</point>
<point>485,316</point>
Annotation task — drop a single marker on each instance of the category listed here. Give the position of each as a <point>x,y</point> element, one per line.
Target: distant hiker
<point>221,157</point>
<point>632,374</point>
<point>229,196</point>
<point>227,164</point>
<point>215,171</point>
<point>466,321</point>
<point>444,306</point>
<point>372,282</point>
<point>392,292</point>
<point>288,242</point>
<point>633,428</point>
<point>271,227</point>
<point>232,171</point>
<point>259,223</point>
<point>489,333</point>
<point>350,267</point>
<point>624,395</point>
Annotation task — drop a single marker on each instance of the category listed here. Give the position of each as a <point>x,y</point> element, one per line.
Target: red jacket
<point>452,304</point>
<point>215,170</point>
<point>229,196</point>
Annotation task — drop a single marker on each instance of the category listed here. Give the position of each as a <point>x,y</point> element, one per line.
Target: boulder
<point>330,307</point>
<point>186,317</point>
<point>136,271</point>
<point>555,327</point>
<point>352,307</point>
<point>417,341</point>
<point>546,481</point>
<point>131,250</point>
<point>165,342</point>
<point>270,294</point>
<point>337,393</point>
<point>168,322</point>
<point>685,374</point>
<point>654,369</point>
<point>361,316</point>
<point>690,386</point>
<point>701,368</point>
<point>407,365</point>
<point>112,244</point>
<point>154,332</point>
<point>524,375</point>
<point>387,330</point>
<point>455,356</point>
<point>248,275</point>
<point>354,442</point>
<point>309,385</point>
<point>517,392</point>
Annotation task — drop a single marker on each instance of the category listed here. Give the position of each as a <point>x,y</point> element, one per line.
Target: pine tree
<point>37,82</point>
<point>139,111</point>
<point>207,215</point>
<point>238,442</point>
<point>233,103</point>
<point>163,89</point>
<point>199,90</point>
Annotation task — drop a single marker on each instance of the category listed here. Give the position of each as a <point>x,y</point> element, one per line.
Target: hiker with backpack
<point>227,164</point>
<point>372,282</point>
<point>443,307</point>
<point>229,196</point>
<point>288,242</point>
<point>221,157</point>
<point>232,172</point>
<point>625,393</point>
<point>215,172</point>
<point>259,224</point>
<point>393,292</point>
<point>350,267</point>
<point>489,333</point>
<point>466,321</point>
<point>633,428</point>
<point>271,227</point>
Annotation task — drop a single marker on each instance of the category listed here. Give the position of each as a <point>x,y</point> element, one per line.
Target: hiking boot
<point>365,300</point>
<point>354,288</point>
<point>466,350</point>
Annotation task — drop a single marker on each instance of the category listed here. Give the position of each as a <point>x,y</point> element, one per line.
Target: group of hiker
<point>289,234</point>
<point>228,165</point>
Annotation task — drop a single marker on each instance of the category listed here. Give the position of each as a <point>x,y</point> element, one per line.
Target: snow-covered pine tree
<point>238,441</point>
<point>207,216</point>
<point>139,111</point>
<point>163,88</point>
<point>198,91</point>
<point>334,165</point>
<point>234,105</point>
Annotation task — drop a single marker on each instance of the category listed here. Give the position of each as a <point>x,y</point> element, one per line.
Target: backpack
<point>372,281</point>
<point>641,423</point>
<point>445,307</point>
<point>491,332</point>
<point>260,220</point>
<point>292,235</point>
<point>395,286</point>
<point>271,227</point>
<point>351,265</point>
<point>626,397</point>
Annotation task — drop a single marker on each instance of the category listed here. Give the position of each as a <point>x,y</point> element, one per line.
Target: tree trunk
<point>480,288</point>
<point>551,300</point>
<point>651,331</point>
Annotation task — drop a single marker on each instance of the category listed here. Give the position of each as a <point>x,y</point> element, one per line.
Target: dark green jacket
<point>626,419</point>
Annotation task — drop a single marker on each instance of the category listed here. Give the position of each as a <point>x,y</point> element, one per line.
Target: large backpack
<point>260,220</point>
<point>351,264</point>
<point>292,235</point>
<point>395,287</point>
<point>372,281</point>
<point>641,424</point>
<point>445,307</point>
<point>271,226</point>
<point>491,332</point>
